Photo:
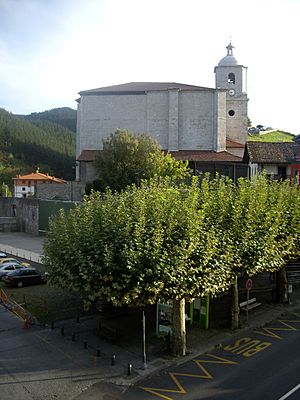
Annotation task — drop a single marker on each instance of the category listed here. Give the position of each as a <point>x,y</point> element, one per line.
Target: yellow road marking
<point>269,333</point>
<point>247,346</point>
<point>180,388</point>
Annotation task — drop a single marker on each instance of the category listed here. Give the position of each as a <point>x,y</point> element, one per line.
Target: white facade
<point>24,190</point>
<point>178,116</point>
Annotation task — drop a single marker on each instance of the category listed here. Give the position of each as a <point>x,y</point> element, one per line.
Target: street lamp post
<point>144,342</point>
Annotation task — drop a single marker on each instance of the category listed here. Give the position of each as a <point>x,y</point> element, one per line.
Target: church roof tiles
<point>142,88</point>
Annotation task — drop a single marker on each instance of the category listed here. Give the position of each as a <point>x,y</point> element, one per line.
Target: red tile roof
<point>88,155</point>
<point>205,156</point>
<point>232,144</point>
<point>38,176</point>
<point>186,155</point>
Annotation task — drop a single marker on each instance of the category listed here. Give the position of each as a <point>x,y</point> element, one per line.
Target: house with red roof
<point>25,185</point>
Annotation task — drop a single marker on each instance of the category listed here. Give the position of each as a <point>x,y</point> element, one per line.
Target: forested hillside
<point>64,116</point>
<point>26,145</point>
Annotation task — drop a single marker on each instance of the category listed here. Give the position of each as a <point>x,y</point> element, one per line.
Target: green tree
<point>138,247</point>
<point>127,159</point>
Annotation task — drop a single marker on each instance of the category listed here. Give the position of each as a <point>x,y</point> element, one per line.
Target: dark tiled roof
<point>142,88</point>
<point>270,153</point>
<point>205,156</point>
<point>232,144</point>
<point>88,155</point>
<point>186,155</point>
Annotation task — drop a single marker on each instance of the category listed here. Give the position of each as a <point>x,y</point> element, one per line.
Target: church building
<point>206,126</point>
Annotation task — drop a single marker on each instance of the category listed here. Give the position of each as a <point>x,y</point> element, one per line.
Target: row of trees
<point>161,241</point>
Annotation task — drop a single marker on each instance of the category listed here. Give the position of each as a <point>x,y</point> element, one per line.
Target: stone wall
<point>179,120</point>
<point>70,191</point>
<point>26,212</point>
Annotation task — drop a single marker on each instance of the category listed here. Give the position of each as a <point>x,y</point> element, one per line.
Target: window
<point>231,78</point>
<point>231,113</point>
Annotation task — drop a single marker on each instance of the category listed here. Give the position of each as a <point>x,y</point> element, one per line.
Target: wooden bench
<point>111,334</point>
<point>251,303</point>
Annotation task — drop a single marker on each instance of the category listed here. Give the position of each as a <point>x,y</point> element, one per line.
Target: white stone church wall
<point>187,120</point>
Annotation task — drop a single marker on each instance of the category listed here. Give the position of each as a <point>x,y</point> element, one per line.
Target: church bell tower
<point>232,76</point>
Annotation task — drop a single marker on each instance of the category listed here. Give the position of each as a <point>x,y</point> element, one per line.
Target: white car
<point>3,255</point>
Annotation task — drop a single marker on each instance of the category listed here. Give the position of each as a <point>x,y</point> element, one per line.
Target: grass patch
<point>46,303</point>
<point>275,136</point>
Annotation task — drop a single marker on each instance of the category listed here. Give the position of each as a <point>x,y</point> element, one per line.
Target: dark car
<point>24,276</point>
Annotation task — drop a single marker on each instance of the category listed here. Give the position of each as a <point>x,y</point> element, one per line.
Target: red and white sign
<point>249,284</point>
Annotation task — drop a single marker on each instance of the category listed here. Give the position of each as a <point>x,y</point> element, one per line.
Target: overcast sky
<point>52,49</point>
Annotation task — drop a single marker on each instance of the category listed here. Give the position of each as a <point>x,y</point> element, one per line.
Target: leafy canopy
<point>127,159</point>
<point>160,241</point>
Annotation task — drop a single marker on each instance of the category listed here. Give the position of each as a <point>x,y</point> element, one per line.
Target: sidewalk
<point>22,245</point>
<point>78,343</point>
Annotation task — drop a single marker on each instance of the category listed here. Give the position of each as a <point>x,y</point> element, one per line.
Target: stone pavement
<point>79,352</point>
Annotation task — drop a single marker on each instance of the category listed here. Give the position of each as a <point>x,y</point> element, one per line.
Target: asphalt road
<point>262,365</point>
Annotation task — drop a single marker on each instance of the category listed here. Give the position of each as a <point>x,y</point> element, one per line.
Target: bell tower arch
<point>232,76</point>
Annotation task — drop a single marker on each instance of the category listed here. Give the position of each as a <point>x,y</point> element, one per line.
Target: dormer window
<point>231,78</point>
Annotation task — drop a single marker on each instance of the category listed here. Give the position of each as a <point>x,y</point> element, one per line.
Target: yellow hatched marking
<point>268,331</point>
<point>220,360</point>
<point>180,388</point>
<point>284,322</point>
<point>156,391</point>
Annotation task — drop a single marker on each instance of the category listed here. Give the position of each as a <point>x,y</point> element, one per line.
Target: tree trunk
<point>179,333</point>
<point>281,286</point>
<point>235,305</point>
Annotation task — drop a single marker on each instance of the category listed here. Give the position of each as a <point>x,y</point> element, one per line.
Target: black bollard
<point>98,353</point>
<point>85,344</point>
<point>129,369</point>
<point>77,319</point>
<point>113,359</point>
<point>62,330</point>
<point>52,325</point>
<point>73,337</point>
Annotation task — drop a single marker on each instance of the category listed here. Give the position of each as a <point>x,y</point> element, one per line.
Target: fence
<point>16,308</point>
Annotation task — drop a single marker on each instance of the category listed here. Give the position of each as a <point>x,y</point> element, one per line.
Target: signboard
<point>164,318</point>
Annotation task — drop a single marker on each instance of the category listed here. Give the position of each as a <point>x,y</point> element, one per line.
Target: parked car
<point>8,267</point>
<point>24,276</point>
<point>3,255</point>
<point>7,259</point>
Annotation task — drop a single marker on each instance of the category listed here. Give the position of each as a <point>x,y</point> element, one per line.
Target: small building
<point>25,185</point>
<point>275,159</point>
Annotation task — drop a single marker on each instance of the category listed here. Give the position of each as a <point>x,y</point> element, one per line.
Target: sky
<point>52,49</point>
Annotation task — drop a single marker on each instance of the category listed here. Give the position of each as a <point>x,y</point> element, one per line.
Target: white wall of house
<point>270,169</point>
<point>24,190</point>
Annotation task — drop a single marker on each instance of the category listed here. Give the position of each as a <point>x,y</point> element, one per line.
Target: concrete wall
<point>27,213</point>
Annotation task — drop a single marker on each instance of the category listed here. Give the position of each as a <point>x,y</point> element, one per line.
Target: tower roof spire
<point>229,59</point>
<point>229,48</point>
